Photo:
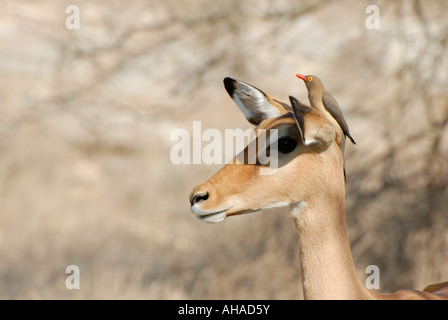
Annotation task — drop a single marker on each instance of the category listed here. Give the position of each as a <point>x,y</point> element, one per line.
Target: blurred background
<point>85,123</point>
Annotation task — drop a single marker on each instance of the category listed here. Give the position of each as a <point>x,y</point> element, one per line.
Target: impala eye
<point>286,144</point>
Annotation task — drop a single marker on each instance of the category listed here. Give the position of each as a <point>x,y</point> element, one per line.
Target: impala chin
<point>213,217</point>
<point>210,216</point>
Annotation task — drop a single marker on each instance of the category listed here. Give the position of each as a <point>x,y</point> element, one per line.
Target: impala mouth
<point>209,215</point>
<point>213,217</point>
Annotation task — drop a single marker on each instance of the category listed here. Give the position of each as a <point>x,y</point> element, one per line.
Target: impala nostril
<point>198,197</point>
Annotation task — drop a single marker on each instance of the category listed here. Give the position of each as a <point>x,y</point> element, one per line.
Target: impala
<point>310,180</point>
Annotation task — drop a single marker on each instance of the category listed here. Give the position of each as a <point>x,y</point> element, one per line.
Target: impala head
<point>309,161</point>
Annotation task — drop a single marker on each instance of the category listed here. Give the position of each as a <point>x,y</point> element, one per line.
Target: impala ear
<point>321,135</point>
<point>314,130</point>
<point>300,110</point>
<point>255,104</point>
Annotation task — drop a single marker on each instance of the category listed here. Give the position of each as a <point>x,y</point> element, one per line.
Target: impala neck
<point>327,267</point>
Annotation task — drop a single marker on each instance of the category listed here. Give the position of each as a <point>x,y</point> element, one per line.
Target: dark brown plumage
<point>322,100</point>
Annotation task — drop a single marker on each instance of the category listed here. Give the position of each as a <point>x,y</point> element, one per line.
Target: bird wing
<point>333,108</point>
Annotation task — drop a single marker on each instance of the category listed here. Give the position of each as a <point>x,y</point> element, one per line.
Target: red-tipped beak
<point>301,76</point>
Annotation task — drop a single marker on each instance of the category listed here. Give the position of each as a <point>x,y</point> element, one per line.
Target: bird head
<point>311,82</point>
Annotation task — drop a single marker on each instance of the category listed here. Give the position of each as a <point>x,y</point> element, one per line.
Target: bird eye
<point>310,78</point>
<point>286,144</point>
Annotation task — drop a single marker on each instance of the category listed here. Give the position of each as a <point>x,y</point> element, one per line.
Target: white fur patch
<point>297,209</point>
<point>310,142</point>
<point>255,104</point>
<point>280,204</point>
<point>213,218</point>
<point>247,112</point>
